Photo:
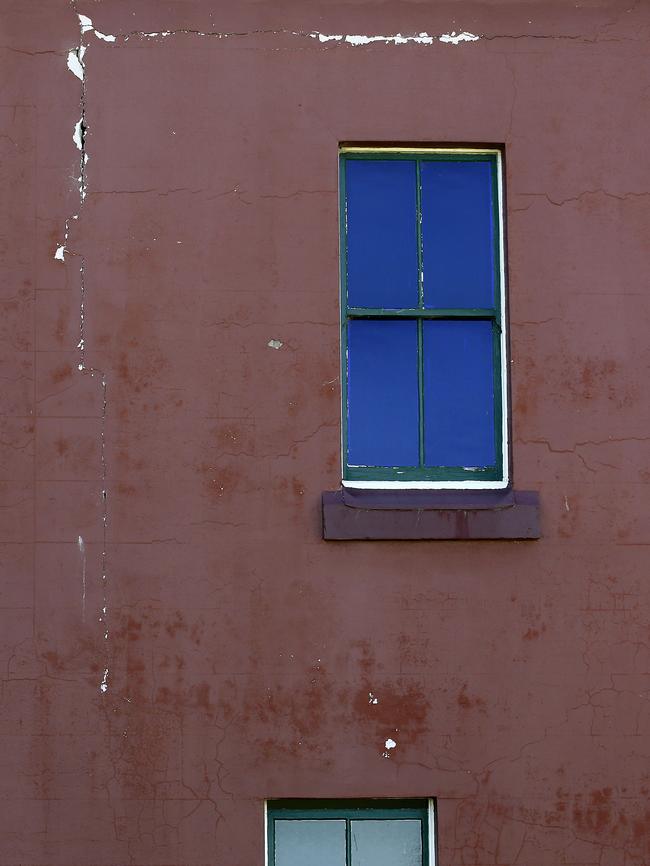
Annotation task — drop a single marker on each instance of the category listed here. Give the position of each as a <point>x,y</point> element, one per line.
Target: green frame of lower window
<point>349,810</point>
<point>422,473</point>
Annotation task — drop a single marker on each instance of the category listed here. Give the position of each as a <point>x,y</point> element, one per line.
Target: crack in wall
<point>423,38</point>
<point>94,371</point>
<point>76,64</point>
<point>353,39</point>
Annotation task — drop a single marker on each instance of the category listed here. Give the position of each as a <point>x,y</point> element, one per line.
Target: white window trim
<point>473,484</point>
<point>432,828</point>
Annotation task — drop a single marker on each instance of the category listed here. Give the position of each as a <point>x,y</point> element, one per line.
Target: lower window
<point>350,833</point>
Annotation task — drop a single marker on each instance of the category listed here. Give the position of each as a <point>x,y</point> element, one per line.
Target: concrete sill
<point>418,515</point>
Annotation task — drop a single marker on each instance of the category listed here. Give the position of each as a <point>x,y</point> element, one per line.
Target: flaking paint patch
<point>77,135</point>
<point>82,553</point>
<point>76,61</point>
<point>275,344</point>
<point>103,686</point>
<point>105,37</point>
<point>356,39</point>
<point>86,24</point>
<point>61,249</point>
<point>423,38</point>
<point>454,38</point>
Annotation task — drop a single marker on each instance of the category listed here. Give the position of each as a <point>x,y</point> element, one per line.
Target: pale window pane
<point>310,843</point>
<point>386,843</point>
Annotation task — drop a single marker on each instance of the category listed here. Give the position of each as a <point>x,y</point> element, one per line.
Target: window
<point>350,833</point>
<point>423,318</point>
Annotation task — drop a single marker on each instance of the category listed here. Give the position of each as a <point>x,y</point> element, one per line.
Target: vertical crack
<point>76,65</point>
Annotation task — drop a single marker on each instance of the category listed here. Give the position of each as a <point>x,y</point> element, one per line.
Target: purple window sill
<point>354,514</point>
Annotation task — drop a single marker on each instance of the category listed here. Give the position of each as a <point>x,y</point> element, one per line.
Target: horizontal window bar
<point>428,473</point>
<point>353,814</point>
<point>468,156</point>
<point>421,313</point>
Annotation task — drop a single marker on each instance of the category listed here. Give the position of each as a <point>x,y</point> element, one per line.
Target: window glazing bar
<point>415,312</point>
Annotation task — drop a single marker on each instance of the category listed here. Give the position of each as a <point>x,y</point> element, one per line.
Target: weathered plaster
<point>246,658</point>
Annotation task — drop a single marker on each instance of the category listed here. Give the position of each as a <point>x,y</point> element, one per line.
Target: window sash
<point>350,811</point>
<point>445,474</point>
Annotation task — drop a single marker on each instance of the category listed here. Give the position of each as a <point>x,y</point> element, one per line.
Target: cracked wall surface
<point>176,641</point>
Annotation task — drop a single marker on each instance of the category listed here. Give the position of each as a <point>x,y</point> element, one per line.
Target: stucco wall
<point>177,642</point>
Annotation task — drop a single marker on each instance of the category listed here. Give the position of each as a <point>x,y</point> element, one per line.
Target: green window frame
<point>352,811</point>
<point>421,476</point>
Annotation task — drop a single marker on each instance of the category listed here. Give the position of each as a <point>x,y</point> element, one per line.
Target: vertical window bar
<point>420,394</point>
<point>418,227</point>
<point>420,361</point>
<point>348,842</point>
<point>424,843</point>
<point>498,321</point>
<point>343,252</point>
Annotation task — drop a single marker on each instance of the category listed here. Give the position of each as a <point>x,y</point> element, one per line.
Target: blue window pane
<point>382,255</point>
<point>382,393</point>
<point>457,234</point>
<point>458,394</point>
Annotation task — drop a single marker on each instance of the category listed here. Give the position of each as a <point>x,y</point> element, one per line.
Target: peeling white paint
<point>455,38</point>
<point>76,63</point>
<point>82,553</point>
<point>275,344</point>
<point>61,250</point>
<point>77,135</point>
<point>85,23</point>
<point>372,699</point>
<point>423,38</point>
<point>107,37</point>
<point>390,744</point>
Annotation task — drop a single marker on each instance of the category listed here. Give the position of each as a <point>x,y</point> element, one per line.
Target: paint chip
<point>59,255</point>
<point>454,38</point>
<point>275,344</point>
<point>423,38</point>
<point>75,62</point>
<point>390,744</point>
<point>85,23</point>
<point>372,699</point>
<point>103,686</point>
<point>77,135</point>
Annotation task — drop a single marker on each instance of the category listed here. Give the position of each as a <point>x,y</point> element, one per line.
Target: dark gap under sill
<point>354,514</point>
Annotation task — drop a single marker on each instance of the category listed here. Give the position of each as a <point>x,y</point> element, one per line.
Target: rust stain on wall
<point>177,643</point>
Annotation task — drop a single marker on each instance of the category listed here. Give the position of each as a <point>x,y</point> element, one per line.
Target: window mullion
<point>348,842</point>
<point>418,223</point>
<point>420,312</point>
<point>421,393</point>
<point>418,228</point>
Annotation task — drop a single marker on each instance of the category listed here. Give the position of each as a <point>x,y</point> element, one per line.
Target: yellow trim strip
<point>418,150</point>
